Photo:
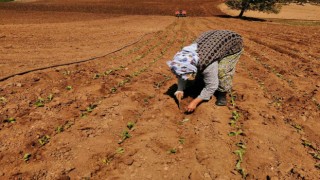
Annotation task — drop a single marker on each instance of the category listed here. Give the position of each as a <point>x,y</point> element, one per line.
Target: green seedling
<point>235,117</point>
<point>183,121</point>
<point>235,133</point>
<point>108,72</point>
<point>241,145</point>
<point>125,135</point>
<point>84,114</point>
<point>68,88</point>
<point>182,140</point>
<point>91,107</point>
<point>317,165</point>
<point>107,160</point>
<point>50,97</point>
<point>39,102</point>
<point>26,157</point>
<point>308,144</point>
<point>10,120</point>
<point>172,151</point>
<point>66,73</point>
<point>113,89</point>
<point>298,127</point>
<point>240,152</point>
<point>130,125</point>
<point>120,150</point>
<point>96,76</point>
<point>315,155</point>
<point>44,140</point>
<point>59,129</point>
<point>233,99</point>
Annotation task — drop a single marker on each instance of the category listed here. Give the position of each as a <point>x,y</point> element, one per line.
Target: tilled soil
<point>72,121</point>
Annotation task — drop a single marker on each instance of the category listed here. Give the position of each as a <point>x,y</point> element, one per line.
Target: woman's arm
<point>211,80</point>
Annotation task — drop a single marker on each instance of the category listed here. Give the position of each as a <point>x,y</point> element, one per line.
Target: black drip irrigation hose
<point>76,62</point>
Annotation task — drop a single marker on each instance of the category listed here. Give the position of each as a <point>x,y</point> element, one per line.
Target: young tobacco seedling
<point>59,129</point>
<point>235,133</point>
<point>40,102</point>
<point>107,160</point>
<point>172,151</point>
<point>316,155</point>
<point>44,140</point>
<point>125,135</point>
<point>68,88</point>
<point>240,152</point>
<point>308,144</point>
<point>235,117</point>
<point>130,125</point>
<point>26,157</point>
<point>50,97</point>
<point>182,140</point>
<point>233,99</point>
<point>96,76</point>
<point>66,73</point>
<point>120,150</point>
<point>10,120</point>
<point>91,107</point>
<point>113,89</point>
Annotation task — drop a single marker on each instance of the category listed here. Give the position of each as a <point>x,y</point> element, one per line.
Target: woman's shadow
<point>193,89</point>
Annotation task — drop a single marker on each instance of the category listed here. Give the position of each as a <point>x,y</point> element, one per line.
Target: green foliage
<point>125,135</point>
<point>91,107</point>
<point>120,150</point>
<point>40,102</point>
<point>6,0</point>
<point>234,119</point>
<point>316,155</point>
<point>68,87</point>
<point>270,6</point>
<point>130,125</point>
<point>182,140</point>
<point>44,140</point>
<point>59,129</point>
<point>107,160</point>
<point>240,152</point>
<point>26,157</point>
<point>10,120</point>
<point>172,151</point>
<point>50,97</point>
<point>96,76</point>
<point>235,133</point>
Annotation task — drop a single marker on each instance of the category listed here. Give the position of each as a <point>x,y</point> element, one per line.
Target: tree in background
<point>268,6</point>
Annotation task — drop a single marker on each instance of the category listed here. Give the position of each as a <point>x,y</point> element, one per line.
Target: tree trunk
<point>245,5</point>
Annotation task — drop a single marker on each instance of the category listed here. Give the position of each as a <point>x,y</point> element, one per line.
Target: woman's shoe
<point>221,98</point>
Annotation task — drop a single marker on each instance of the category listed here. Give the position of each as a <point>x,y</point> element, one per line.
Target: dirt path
<point>73,121</point>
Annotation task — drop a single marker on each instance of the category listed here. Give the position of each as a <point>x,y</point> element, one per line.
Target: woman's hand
<point>193,105</point>
<point>179,95</point>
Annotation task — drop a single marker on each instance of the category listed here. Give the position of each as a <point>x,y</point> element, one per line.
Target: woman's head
<point>184,63</point>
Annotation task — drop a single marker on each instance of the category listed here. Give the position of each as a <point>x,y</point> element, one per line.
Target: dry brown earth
<point>79,130</point>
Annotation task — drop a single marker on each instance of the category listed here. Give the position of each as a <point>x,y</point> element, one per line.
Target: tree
<point>269,6</point>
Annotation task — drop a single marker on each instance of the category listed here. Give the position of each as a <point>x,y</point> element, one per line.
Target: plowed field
<point>114,117</point>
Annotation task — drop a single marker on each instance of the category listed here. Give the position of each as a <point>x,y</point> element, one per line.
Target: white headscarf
<point>185,61</point>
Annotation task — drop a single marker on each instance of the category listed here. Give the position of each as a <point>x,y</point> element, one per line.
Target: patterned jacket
<point>214,45</point>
